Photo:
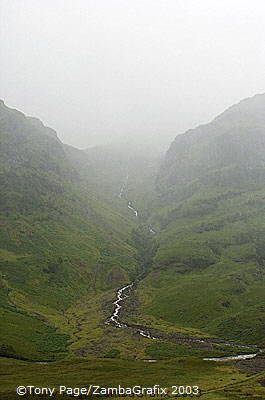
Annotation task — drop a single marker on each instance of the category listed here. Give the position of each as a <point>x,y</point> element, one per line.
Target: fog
<point>140,71</point>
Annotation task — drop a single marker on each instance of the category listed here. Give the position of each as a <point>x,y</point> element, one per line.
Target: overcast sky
<point>103,69</point>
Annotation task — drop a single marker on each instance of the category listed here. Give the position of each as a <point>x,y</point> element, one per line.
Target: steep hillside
<point>210,273</point>
<point>58,240</point>
<point>68,241</point>
<point>227,151</point>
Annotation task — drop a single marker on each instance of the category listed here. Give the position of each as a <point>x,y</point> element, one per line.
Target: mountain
<point>195,255</point>
<point>209,271</point>
<point>59,240</point>
<point>219,152</point>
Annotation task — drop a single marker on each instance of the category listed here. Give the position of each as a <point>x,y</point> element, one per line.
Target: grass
<point>162,350</point>
<point>47,266</point>
<point>208,273</point>
<point>213,379</point>
<point>67,244</point>
<point>215,301</point>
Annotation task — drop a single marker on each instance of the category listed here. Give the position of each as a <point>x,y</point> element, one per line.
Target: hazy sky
<point>102,69</point>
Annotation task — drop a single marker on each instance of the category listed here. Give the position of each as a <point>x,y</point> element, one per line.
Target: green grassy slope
<point>216,381</point>
<point>67,242</point>
<point>209,269</point>
<point>58,239</point>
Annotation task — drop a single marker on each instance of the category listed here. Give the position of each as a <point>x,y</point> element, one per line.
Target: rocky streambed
<point>125,293</point>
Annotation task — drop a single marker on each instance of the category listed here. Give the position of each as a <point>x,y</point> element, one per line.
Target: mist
<point>109,71</point>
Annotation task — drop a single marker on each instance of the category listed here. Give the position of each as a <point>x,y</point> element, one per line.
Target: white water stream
<point>120,297</point>
<point>133,209</point>
<point>231,358</point>
<point>124,293</point>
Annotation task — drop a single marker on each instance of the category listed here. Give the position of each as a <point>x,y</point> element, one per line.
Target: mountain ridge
<point>225,141</point>
<point>209,212</point>
<point>58,240</point>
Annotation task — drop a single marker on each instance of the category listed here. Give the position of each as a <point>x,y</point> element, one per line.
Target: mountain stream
<point>125,292</point>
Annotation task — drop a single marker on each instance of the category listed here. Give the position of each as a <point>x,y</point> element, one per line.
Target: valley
<point>124,293</point>
<point>122,268</point>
